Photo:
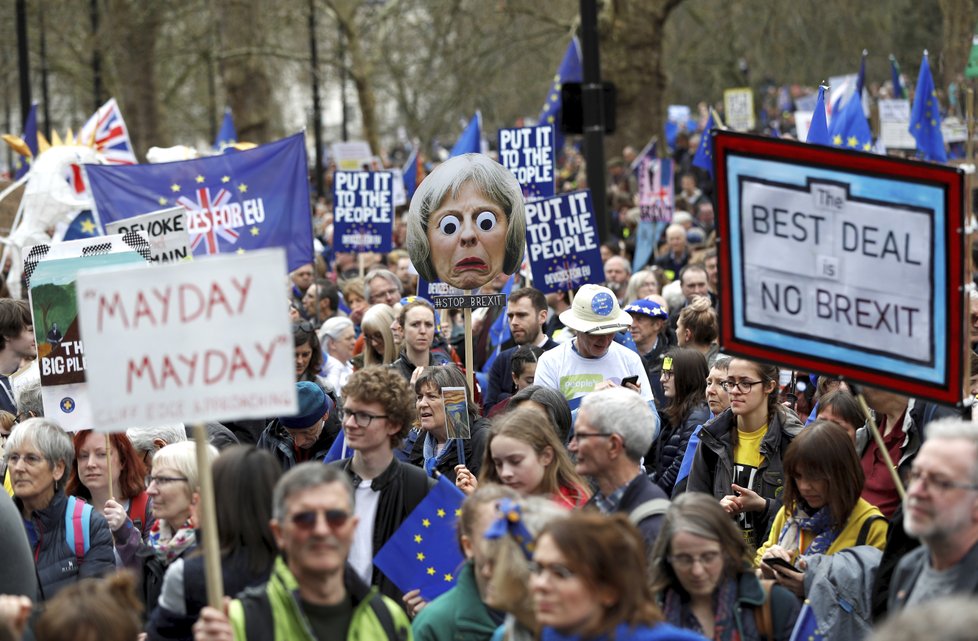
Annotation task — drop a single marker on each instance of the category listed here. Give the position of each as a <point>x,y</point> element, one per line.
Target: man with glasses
<point>614,430</point>
<point>379,409</point>
<point>382,286</point>
<point>940,509</point>
<point>311,594</point>
<point>300,438</point>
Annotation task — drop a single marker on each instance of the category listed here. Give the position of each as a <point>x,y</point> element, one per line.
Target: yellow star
<point>431,571</point>
<point>440,513</point>
<point>225,179</point>
<point>199,178</point>
<point>867,146</point>
<point>242,188</point>
<point>174,187</point>
<point>426,522</point>
<point>553,98</point>
<point>421,556</point>
<point>458,513</point>
<point>161,200</point>
<point>449,578</point>
<point>550,120</point>
<point>837,139</point>
<point>933,123</point>
<point>240,251</point>
<point>254,231</point>
<point>88,227</point>
<point>853,141</point>
<point>417,538</point>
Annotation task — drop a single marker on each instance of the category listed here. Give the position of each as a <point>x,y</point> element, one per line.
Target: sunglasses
<point>307,520</point>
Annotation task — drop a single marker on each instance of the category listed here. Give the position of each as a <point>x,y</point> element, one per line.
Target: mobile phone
<point>778,562</point>
<point>629,379</point>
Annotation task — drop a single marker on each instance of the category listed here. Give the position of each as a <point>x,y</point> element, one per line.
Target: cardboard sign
<point>895,124</point>
<point>738,108</point>
<point>363,211</point>
<point>529,153</point>
<point>352,155</point>
<point>562,242</point>
<point>199,341</point>
<point>166,230</point>
<point>842,263</point>
<point>52,271</point>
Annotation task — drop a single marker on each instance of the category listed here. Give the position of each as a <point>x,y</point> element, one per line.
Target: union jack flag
<point>107,132</point>
<point>202,217</point>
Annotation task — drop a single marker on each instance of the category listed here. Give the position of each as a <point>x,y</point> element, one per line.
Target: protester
<point>684,375</point>
<point>588,581</point>
<point>528,458</point>
<point>382,286</point>
<point>310,594</point>
<point>697,327</point>
<point>308,353</point>
<point>842,408</point>
<point>303,436</point>
<point>19,576</point>
<point>126,508</point>
<point>17,343</point>
<point>244,478</point>
<point>302,277</point>
<point>822,512</point>
<point>338,337</point>
<point>677,252</point>
<point>738,459</point>
<point>648,320</point>
<point>379,347</point>
<point>92,610</point>
<point>147,441</point>
<point>417,320</point>
<point>435,449</point>
<point>378,412</point>
<point>523,370</point>
<point>617,273</point>
<point>703,577</point>
<point>642,283</point>
<point>949,619</point>
<point>39,454</point>
<point>548,402</point>
<point>352,290</point>
<point>321,302</point>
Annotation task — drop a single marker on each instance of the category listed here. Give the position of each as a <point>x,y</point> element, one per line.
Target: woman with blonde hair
<point>379,347</point>
<point>641,284</point>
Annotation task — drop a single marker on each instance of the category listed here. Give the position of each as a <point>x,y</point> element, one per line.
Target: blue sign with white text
<point>363,211</point>
<point>529,153</point>
<point>562,242</point>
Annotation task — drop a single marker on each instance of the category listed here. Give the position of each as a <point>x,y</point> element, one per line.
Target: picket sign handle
<point>108,466</point>
<point>469,351</point>
<point>362,261</point>
<point>875,431</point>
<point>207,521</point>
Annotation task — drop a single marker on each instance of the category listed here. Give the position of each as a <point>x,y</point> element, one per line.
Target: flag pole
<point>207,521</point>
<point>874,430</point>
<point>108,464</point>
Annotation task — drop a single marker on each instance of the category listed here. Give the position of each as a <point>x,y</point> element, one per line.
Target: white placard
<point>895,124</point>
<point>166,229</point>
<point>353,155</point>
<point>738,108</point>
<point>198,341</point>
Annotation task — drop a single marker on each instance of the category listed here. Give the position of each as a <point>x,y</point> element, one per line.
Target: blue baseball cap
<point>314,403</point>
<point>647,307</point>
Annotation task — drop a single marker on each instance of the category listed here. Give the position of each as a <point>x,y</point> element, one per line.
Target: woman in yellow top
<point>822,511</point>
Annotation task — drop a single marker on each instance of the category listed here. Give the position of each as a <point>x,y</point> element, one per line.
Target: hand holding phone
<point>778,562</point>
<point>629,380</point>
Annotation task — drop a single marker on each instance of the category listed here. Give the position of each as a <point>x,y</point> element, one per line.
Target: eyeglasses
<point>687,561</point>
<point>32,460</point>
<point>937,483</point>
<point>303,326</point>
<point>556,570</point>
<point>744,387</point>
<point>307,519</point>
<point>666,374</point>
<point>362,418</point>
<point>165,480</point>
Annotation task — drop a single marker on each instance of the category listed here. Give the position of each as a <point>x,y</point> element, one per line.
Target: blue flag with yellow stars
<point>423,553</point>
<point>571,69</point>
<point>704,153</point>
<point>925,117</point>
<point>818,132</point>
<point>227,135</point>
<point>806,626</point>
<point>23,163</point>
<point>235,202</point>
<point>470,142</point>
<point>83,226</point>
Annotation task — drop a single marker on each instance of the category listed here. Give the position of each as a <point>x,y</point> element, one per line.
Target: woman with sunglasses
<point>738,459</point>
<point>703,577</point>
<point>683,378</point>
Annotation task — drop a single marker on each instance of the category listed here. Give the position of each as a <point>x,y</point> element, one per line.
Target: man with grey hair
<point>382,286</point>
<point>312,589</point>
<point>940,509</point>
<point>147,440</point>
<point>614,430</point>
<point>617,271</point>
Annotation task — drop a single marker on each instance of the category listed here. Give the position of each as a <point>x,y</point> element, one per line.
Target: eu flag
<point>500,332</point>
<point>704,153</point>
<point>850,129</point>
<point>423,553</point>
<point>806,626</point>
<point>227,136</point>
<point>570,70</point>
<point>23,163</point>
<point>925,117</point>
<point>412,173</point>
<point>470,142</point>
<point>82,226</point>
<point>818,132</point>
<point>235,202</point>
<point>898,89</point>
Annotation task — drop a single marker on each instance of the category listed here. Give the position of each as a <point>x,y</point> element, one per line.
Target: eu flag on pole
<point>423,553</point>
<point>806,626</point>
<point>23,163</point>
<point>227,136</point>
<point>470,142</point>
<point>925,117</point>
<point>704,153</point>
<point>235,202</point>
<point>570,70</point>
<point>849,128</point>
<point>500,332</point>
<point>899,91</point>
<point>83,226</point>
<point>412,173</point>
<point>818,132</point>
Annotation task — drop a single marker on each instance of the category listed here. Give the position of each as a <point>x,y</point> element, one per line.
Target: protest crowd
<point>597,469</point>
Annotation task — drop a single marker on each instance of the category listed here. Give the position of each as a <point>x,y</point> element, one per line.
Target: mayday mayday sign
<point>187,342</point>
<point>363,211</point>
<point>844,263</point>
<point>562,242</point>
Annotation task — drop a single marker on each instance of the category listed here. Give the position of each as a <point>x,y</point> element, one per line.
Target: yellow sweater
<point>846,539</point>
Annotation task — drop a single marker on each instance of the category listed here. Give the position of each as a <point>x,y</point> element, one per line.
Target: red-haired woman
<point>127,509</point>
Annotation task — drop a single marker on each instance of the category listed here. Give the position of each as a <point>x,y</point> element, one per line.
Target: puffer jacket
<point>57,565</point>
<point>277,440</point>
<point>713,465</point>
<point>668,449</point>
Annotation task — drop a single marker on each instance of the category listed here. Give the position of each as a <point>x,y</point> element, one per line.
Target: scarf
<point>725,607</point>
<point>819,524</point>
<point>432,460</point>
<point>169,547</point>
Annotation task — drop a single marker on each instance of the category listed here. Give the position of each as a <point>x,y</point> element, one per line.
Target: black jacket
<point>668,450</point>
<point>277,440</point>
<point>474,448</point>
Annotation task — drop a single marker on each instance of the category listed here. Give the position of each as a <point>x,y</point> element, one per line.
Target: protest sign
<point>51,271</point>
<point>655,189</point>
<point>529,153</point>
<point>562,242</point>
<point>895,124</point>
<point>197,342</point>
<point>436,288</point>
<point>738,108</point>
<point>842,263</point>
<point>352,155</point>
<point>166,231</point>
<point>803,122</point>
<point>363,211</point>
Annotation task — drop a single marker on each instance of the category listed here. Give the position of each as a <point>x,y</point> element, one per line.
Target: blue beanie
<point>314,403</point>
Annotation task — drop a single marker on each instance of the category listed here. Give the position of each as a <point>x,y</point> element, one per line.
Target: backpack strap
<point>386,620</point>
<point>864,530</point>
<point>78,520</point>
<point>763,615</point>
<point>653,507</point>
<point>138,511</point>
<point>258,619</point>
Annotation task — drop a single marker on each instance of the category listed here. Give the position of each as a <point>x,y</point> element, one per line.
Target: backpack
<point>653,507</point>
<point>138,512</point>
<point>78,519</point>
